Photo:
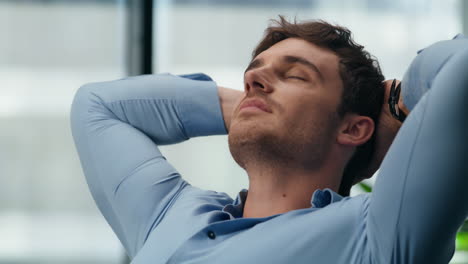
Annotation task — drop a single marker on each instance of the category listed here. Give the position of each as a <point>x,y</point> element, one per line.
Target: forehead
<point>326,60</point>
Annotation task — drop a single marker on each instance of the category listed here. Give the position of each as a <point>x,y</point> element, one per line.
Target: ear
<point>355,130</point>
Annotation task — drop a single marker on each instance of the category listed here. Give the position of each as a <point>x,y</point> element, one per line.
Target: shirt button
<point>211,235</point>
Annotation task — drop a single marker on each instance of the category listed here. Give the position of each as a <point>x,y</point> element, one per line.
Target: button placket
<point>211,234</point>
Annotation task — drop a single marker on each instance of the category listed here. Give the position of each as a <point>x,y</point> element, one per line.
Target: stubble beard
<point>251,145</point>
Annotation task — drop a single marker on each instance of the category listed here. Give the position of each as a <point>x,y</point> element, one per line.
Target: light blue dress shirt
<point>412,216</point>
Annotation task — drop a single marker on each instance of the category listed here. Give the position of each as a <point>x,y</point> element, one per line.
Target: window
<point>48,50</point>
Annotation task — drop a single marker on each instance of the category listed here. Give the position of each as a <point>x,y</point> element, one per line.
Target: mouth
<point>255,105</point>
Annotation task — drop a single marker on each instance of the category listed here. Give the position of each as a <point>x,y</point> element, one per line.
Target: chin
<point>248,140</point>
<point>247,131</point>
<point>252,141</point>
<point>242,133</point>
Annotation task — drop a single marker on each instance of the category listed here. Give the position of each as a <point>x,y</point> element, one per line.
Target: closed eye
<point>296,77</point>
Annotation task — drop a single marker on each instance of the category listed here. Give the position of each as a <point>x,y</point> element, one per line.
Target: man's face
<point>291,93</point>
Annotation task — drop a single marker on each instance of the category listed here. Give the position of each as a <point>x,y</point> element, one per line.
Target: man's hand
<point>386,130</point>
<point>229,99</point>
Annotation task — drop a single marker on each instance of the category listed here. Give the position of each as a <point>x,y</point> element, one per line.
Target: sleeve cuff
<point>201,112</point>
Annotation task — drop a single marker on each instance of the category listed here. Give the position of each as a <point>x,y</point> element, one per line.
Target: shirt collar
<point>236,209</point>
<point>320,199</point>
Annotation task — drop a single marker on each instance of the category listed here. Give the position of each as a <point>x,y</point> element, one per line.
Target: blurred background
<point>49,48</point>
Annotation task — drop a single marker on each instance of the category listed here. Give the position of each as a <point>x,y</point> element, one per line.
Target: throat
<point>280,190</point>
<point>264,201</point>
<point>256,208</point>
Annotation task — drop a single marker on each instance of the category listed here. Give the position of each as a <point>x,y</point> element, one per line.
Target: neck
<point>276,190</point>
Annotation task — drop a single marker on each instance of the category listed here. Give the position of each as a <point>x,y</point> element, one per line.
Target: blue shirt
<point>160,218</point>
<point>425,67</point>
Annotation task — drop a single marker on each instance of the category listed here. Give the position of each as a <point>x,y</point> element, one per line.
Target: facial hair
<point>252,143</point>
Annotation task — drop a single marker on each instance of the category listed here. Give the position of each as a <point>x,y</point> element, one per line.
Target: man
<point>303,134</point>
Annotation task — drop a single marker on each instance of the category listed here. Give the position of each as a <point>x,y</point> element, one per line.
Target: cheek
<point>300,115</point>
<point>306,116</point>
<point>303,105</point>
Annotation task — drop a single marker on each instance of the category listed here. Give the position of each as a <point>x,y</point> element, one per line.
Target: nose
<point>255,80</point>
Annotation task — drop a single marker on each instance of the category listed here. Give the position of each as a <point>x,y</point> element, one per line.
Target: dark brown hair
<point>363,89</point>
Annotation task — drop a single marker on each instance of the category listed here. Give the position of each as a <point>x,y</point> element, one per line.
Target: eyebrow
<point>290,60</point>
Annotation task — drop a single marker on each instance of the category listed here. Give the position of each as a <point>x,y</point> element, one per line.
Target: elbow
<point>84,100</point>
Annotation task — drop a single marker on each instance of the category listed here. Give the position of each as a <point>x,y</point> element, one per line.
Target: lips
<point>256,103</point>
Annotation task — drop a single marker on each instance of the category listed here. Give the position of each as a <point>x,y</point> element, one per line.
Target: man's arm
<point>117,126</point>
<point>420,197</point>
